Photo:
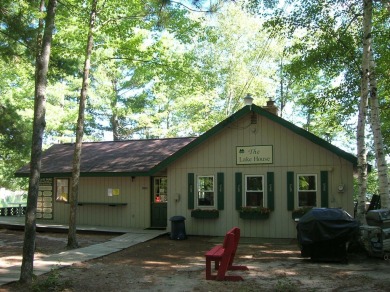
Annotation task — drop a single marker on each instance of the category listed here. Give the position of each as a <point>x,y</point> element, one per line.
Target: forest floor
<point>163,264</point>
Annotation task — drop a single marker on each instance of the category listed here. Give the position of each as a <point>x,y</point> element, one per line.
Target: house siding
<point>294,152</point>
<point>133,192</point>
<point>291,152</point>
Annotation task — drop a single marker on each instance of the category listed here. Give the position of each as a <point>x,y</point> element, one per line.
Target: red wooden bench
<point>223,256</point>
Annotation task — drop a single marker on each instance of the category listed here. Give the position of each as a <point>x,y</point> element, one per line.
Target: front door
<point>159,202</point>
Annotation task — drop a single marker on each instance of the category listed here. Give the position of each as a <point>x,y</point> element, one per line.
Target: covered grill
<point>323,234</point>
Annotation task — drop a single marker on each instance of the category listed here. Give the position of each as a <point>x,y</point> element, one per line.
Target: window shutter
<point>290,190</point>
<point>270,191</point>
<point>238,191</point>
<point>324,189</point>
<point>191,190</point>
<point>220,190</point>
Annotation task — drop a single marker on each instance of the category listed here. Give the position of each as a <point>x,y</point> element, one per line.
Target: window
<point>62,189</point>
<point>307,190</point>
<point>160,190</point>
<point>206,191</point>
<point>254,191</point>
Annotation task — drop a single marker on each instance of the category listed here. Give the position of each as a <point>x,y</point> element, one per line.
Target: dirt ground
<point>163,264</point>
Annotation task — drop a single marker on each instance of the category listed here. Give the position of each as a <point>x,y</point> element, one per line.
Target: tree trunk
<point>361,141</point>
<point>380,156</point>
<point>114,116</point>
<point>72,239</point>
<point>42,65</point>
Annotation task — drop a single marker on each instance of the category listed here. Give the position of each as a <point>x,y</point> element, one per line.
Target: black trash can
<point>178,228</point>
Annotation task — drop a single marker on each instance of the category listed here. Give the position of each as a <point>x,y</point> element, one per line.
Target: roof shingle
<point>132,156</point>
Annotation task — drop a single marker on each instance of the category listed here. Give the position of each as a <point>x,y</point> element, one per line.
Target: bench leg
<point>208,270</point>
<point>223,267</point>
<point>235,268</point>
<point>216,265</point>
<point>232,267</point>
<point>221,276</point>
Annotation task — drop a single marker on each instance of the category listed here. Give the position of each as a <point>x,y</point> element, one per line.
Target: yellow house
<point>251,170</point>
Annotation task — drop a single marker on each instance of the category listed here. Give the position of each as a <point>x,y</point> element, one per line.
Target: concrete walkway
<point>48,262</point>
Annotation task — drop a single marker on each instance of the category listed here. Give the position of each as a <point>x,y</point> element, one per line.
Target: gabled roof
<point>262,112</point>
<point>133,157</point>
<point>150,156</point>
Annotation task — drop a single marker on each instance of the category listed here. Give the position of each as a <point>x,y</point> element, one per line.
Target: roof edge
<point>306,134</point>
<point>262,112</point>
<point>85,174</point>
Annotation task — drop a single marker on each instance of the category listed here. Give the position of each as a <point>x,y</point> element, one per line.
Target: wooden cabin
<point>252,170</point>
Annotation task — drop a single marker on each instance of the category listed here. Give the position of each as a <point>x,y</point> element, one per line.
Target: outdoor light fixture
<point>248,100</point>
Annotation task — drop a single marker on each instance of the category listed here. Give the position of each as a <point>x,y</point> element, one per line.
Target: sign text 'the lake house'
<point>255,154</point>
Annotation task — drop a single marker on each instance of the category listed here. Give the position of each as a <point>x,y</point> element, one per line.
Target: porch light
<point>248,100</point>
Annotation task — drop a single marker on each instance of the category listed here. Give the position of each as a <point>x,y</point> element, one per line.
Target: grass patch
<point>52,281</point>
<point>285,285</point>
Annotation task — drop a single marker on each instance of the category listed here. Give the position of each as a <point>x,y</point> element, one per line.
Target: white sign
<point>254,154</point>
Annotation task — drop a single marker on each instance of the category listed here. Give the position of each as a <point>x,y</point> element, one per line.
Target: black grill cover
<point>324,224</point>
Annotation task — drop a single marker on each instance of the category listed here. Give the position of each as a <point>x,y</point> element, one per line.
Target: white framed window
<point>307,190</point>
<point>254,191</point>
<point>206,194</point>
<point>62,189</point>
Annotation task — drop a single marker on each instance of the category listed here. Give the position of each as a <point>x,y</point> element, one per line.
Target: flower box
<point>205,213</point>
<point>254,213</point>
<point>253,216</point>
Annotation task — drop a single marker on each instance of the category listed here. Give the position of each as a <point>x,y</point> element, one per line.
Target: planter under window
<point>205,214</point>
<point>253,216</point>
<point>254,213</point>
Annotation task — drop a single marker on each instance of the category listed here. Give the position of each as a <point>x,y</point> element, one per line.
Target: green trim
<point>210,133</point>
<point>88,174</point>
<point>151,193</point>
<point>290,190</point>
<point>191,190</point>
<point>309,136</point>
<point>324,189</point>
<point>262,112</point>
<point>220,190</point>
<point>270,191</point>
<point>238,190</point>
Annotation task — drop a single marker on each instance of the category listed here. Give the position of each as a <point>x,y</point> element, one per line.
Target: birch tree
<point>330,44</point>
<point>42,66</point>
<point>371,80</point>
<point>361,133</point>
<point>72,238</point>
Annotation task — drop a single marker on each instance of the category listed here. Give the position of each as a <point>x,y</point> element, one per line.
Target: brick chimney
<point>271,107</point>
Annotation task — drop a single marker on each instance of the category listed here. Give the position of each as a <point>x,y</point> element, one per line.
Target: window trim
<point>264,185</point>
<point>214,206</point>
<point>307,191</point>
<point>58,198</point>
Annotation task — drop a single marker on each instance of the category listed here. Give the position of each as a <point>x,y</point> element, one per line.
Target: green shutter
<point>290,190</point>
<point>270,191</point>
<point>220,190</point>
<point>324,189</point>
<point>191,189</point>
<point>238,191</point>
